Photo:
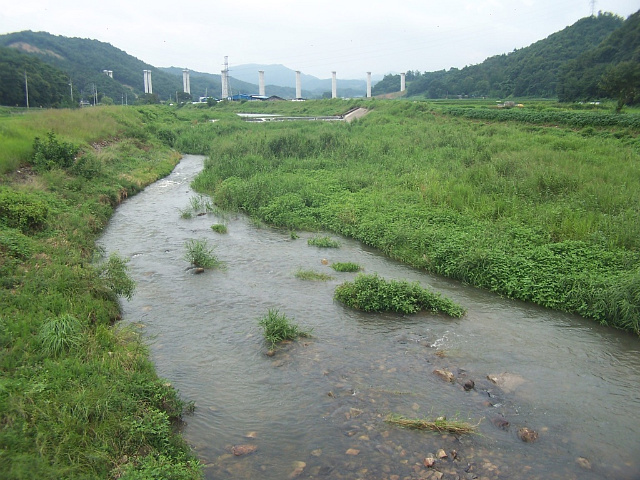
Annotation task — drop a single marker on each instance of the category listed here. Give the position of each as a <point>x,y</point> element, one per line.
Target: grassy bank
<point>79,397</point>
<point>546,213</point>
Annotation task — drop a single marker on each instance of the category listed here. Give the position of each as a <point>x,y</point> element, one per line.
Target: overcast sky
<point>315,37</point>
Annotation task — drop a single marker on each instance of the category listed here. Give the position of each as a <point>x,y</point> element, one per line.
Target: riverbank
<point>80,397</point>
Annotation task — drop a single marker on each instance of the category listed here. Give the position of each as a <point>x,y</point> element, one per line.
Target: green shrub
<point>278,327</point>
<point>115,274</point>
<point>50,153</point>
<point>371,293</point>
<point>25,211</point>
<point>87,166</point>
<point>14,244</point>
<point>200,254</point>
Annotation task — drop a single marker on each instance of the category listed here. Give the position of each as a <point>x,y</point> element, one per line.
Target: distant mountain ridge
<point>279,75</point>
<point>545,69</point>
<point>569,64</point>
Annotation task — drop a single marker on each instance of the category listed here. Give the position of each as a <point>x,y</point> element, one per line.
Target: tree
<point>622,82</point>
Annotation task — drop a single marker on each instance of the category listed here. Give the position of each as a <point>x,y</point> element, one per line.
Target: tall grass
<point>79,396</point>
<point>543,214</point>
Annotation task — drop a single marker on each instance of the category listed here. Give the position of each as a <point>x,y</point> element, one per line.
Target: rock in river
<point>238,450</point>
<point>444,374</point>
<point>527,435</point>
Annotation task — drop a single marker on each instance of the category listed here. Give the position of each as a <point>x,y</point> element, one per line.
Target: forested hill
<point>81,62</point>
<point>47,85</point>
<point>532,71</point>
<point>583,78</point>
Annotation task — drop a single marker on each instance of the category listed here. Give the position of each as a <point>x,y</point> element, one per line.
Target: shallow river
<point>316,409</point>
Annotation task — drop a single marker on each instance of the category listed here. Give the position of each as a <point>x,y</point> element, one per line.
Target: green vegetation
<point>543,212</point>
<point>278,327</point>
<point>346,267</point>
<point>371,293</point>
<point>537,211</point>
<point>200,254</point>
<point>440,424</point>
<point>609,70</point>
<point>51,153</point>
<point>219,228</point>
<point>536,71</point>
<point>312,275</point>
<point>201,204</point>
<point>323,242</point>
<point>79,396</point>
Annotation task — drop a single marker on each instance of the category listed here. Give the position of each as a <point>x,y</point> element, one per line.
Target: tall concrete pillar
<point>403,83</point>
<point>368,84</point>
<point>298,85</point>
<point>225,86</point>
<point>146,81</point>
<point>186,81</point>
<point>261,83</point>
<point>334,88</point>
<point>149,84</point>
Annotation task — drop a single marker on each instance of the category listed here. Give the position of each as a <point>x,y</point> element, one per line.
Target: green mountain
<point>47,86</point>
<point>83,61</point>
<point>581,78</point>
<point>532,71</point>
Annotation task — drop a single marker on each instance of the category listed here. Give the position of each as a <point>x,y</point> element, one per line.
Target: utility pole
<point>71,85</point>
<point>26,87</point>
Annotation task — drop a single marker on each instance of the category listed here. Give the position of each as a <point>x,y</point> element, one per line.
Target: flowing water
<point>317,408</point>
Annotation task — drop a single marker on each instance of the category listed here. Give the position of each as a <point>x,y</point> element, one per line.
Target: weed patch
<point>439,425</point>
<point>371,293</point>
<point>346,267</point>
<point>219,228</point>
<point>200,254</point>
<point>277,327</point>
<point>323,242</point>
<point>312,275</point>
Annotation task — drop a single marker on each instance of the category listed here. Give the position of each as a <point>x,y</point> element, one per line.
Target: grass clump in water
<point>278,327</point>
<point>312,275</point>
<point>371,293</point>
<point>200,254</point>
<point>346,267</point>
<point>219,228</point>
<point>440,424</point>
<point>323,242</point>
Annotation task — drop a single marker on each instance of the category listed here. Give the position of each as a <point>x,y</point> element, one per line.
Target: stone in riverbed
<point>299,468</point>
<point>583,463</point>
<point>444,374</point>
<point>239,450</point>
<point>527,435</point>
<point>500,422</point>
<point>508,382</point>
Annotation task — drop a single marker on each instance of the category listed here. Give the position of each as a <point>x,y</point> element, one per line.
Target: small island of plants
<point>371,293</point>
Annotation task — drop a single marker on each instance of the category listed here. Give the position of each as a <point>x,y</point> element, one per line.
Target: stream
<point>317,407</point>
